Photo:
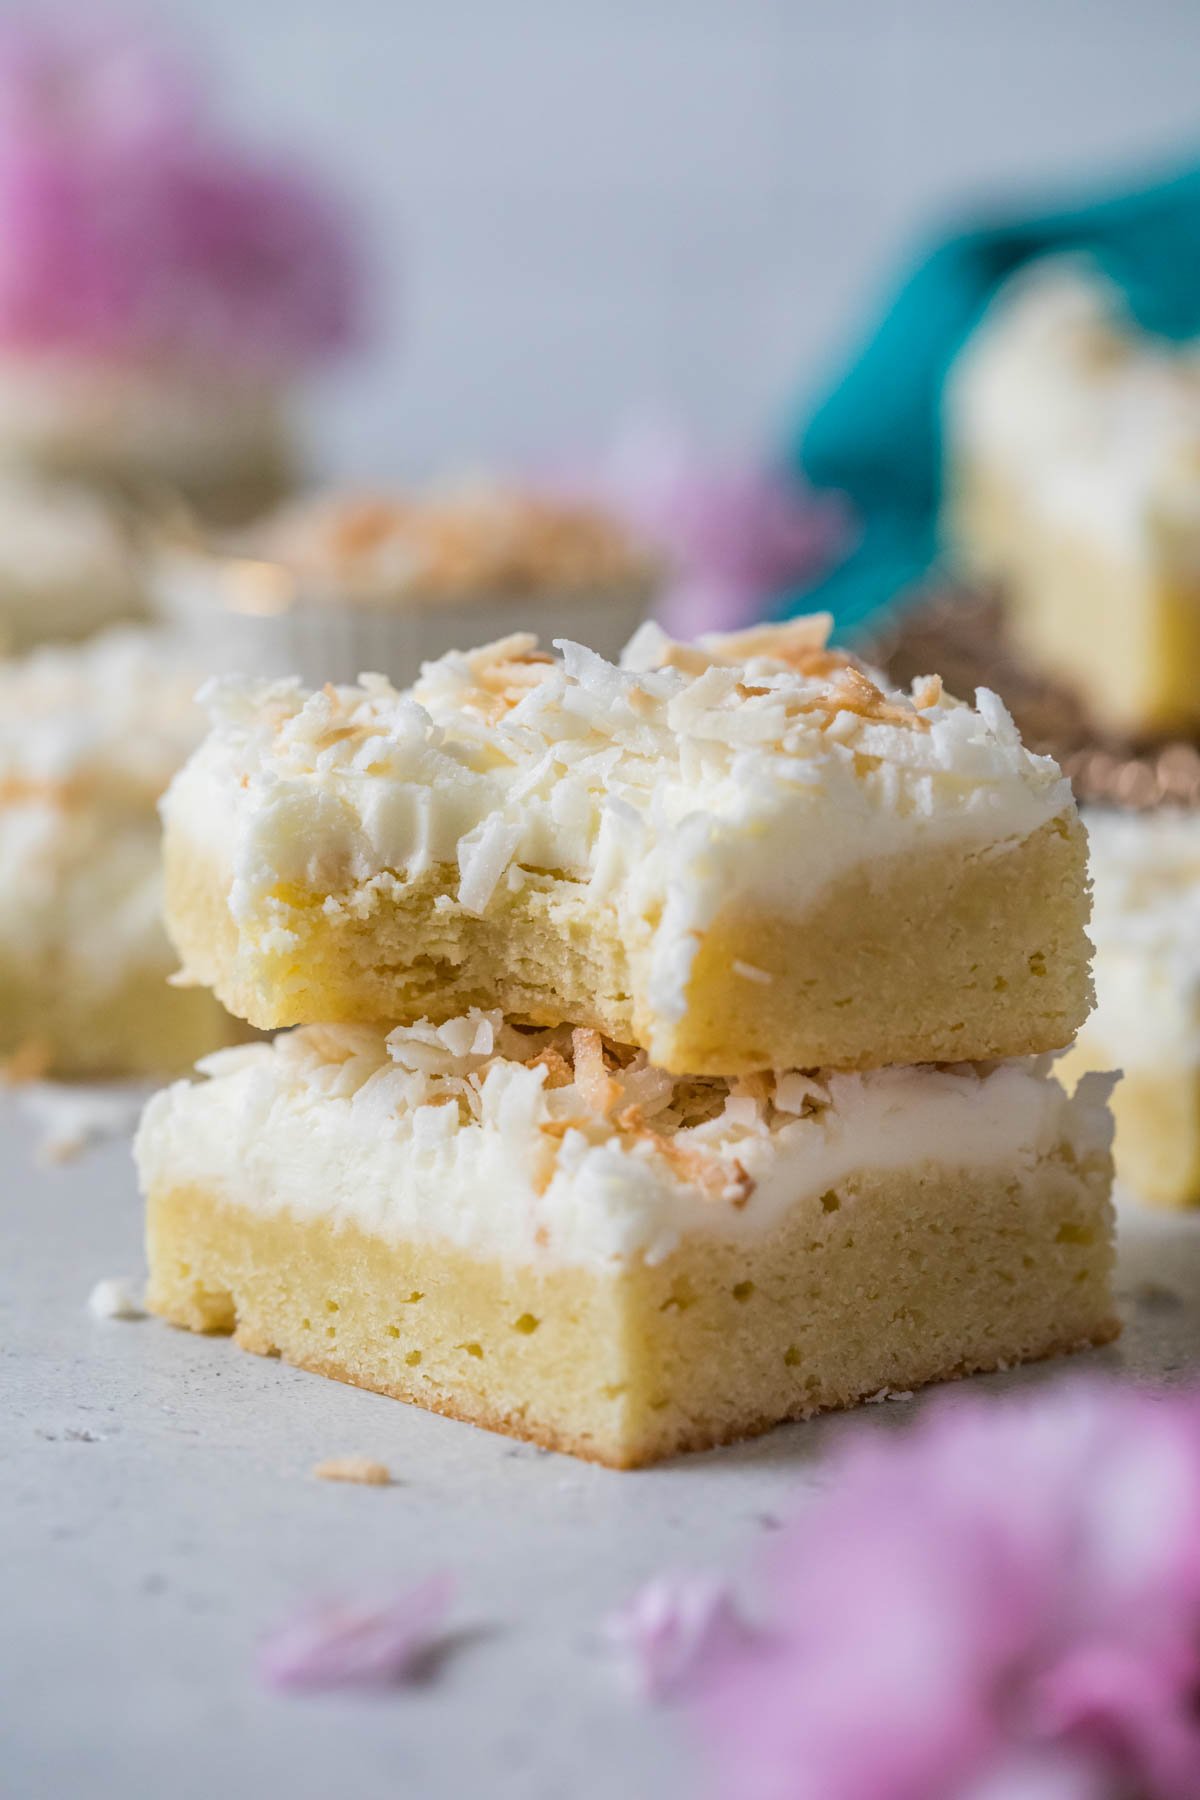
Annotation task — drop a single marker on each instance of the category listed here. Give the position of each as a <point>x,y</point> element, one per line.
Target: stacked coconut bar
<point>672,1040</point>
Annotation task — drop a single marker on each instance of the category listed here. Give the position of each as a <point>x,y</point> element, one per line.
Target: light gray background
<point>581,206</point>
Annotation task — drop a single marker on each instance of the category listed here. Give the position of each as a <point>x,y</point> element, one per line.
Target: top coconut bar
<point>740,854</point>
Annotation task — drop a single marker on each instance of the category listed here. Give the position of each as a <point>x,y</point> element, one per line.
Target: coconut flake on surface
<point>363,1470</point>
<point>71,1119</point>
<point>116,1297</point>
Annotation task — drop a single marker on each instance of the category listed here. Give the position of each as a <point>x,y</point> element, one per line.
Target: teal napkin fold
<point>877,437</point>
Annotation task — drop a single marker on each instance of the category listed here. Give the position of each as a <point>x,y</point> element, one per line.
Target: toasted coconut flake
<point>776,643</point>
<point>362,1469</point>
<point>854,692</point>
<point>688,658</point>
<point>558,1069</point>
<point>716,1179</point>
<point>927,692</point>
<point>596,1086</point>
<point>558,1128</point>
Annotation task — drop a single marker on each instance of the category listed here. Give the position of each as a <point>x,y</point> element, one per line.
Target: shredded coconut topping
<point>560,1144</point>
<point>441,544</point>
<point>759,765</point>
<point>112,720</point>
<point>540,1086</point>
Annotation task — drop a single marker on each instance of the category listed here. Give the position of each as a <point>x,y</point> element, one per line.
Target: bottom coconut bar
<point>537,1232</point>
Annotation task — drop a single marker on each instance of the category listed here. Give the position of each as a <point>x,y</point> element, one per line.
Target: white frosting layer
<point>114,717</point>
<point>754,769</point>
<point>506,1145</point>
<point>89,737</point>
<point>1096,425</point>
<point>1146,929</point>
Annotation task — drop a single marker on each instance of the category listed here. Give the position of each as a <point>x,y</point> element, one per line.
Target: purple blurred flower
<point>338,1645</point>
<point>127,228</point>
<point>733,538</point>
<point>1001,1604</point>
<point>667,1634</point>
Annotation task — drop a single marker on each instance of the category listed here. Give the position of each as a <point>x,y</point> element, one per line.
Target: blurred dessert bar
<point>1072,464</point>
<point>966,635</point>
<point>89,738</point>
<point>737,855</point>
<point>340,582</point>
<point>68,563</point>
<point>1146,929</point>
<point>539,1232</point>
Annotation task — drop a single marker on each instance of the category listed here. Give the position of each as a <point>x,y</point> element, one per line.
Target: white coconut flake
<point>116,1297</point>
<point>71,1119</point>
<point>483,856</point>
<point>749,972</point>
<point>796,1093</point>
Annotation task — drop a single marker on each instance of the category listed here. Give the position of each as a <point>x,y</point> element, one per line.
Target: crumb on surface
<point>70,1117</point>
<point>361,1469</point>
<point>116,1297</point>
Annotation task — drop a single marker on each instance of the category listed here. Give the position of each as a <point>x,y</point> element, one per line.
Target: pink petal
<point>733,537</point>
<point>338,1644</point>
<point>673,1629</point>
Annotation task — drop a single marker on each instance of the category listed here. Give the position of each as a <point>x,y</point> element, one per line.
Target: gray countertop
<point>159,1513</point>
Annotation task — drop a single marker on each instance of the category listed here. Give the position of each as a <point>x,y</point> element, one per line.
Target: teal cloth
<point>877,436</point>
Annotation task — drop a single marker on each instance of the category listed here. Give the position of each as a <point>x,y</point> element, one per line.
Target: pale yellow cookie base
<point>950,957</point>
<point>1122,634</point>
<point>139,1027</point>
<point>1157,1113</point>
<point>890,1281</point>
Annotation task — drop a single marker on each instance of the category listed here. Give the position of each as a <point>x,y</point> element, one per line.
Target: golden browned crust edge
<point>506,1425</point>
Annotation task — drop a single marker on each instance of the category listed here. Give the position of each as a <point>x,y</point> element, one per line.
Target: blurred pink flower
<point>1001,1604</point>
<point>733,538</point>
<point>127,228</point>
<point>337,1645</point>
<point>667,1633</point>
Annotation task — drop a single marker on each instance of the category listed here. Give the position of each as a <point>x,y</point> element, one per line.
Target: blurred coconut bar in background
<point>162,292</point>
<point>965,635</point>
<point>68,561</point>
<point>1072,445</point>
<point>1142,810</point>
<point>89,738</point>
<point>1146,929</point>
<point>343,582</point>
